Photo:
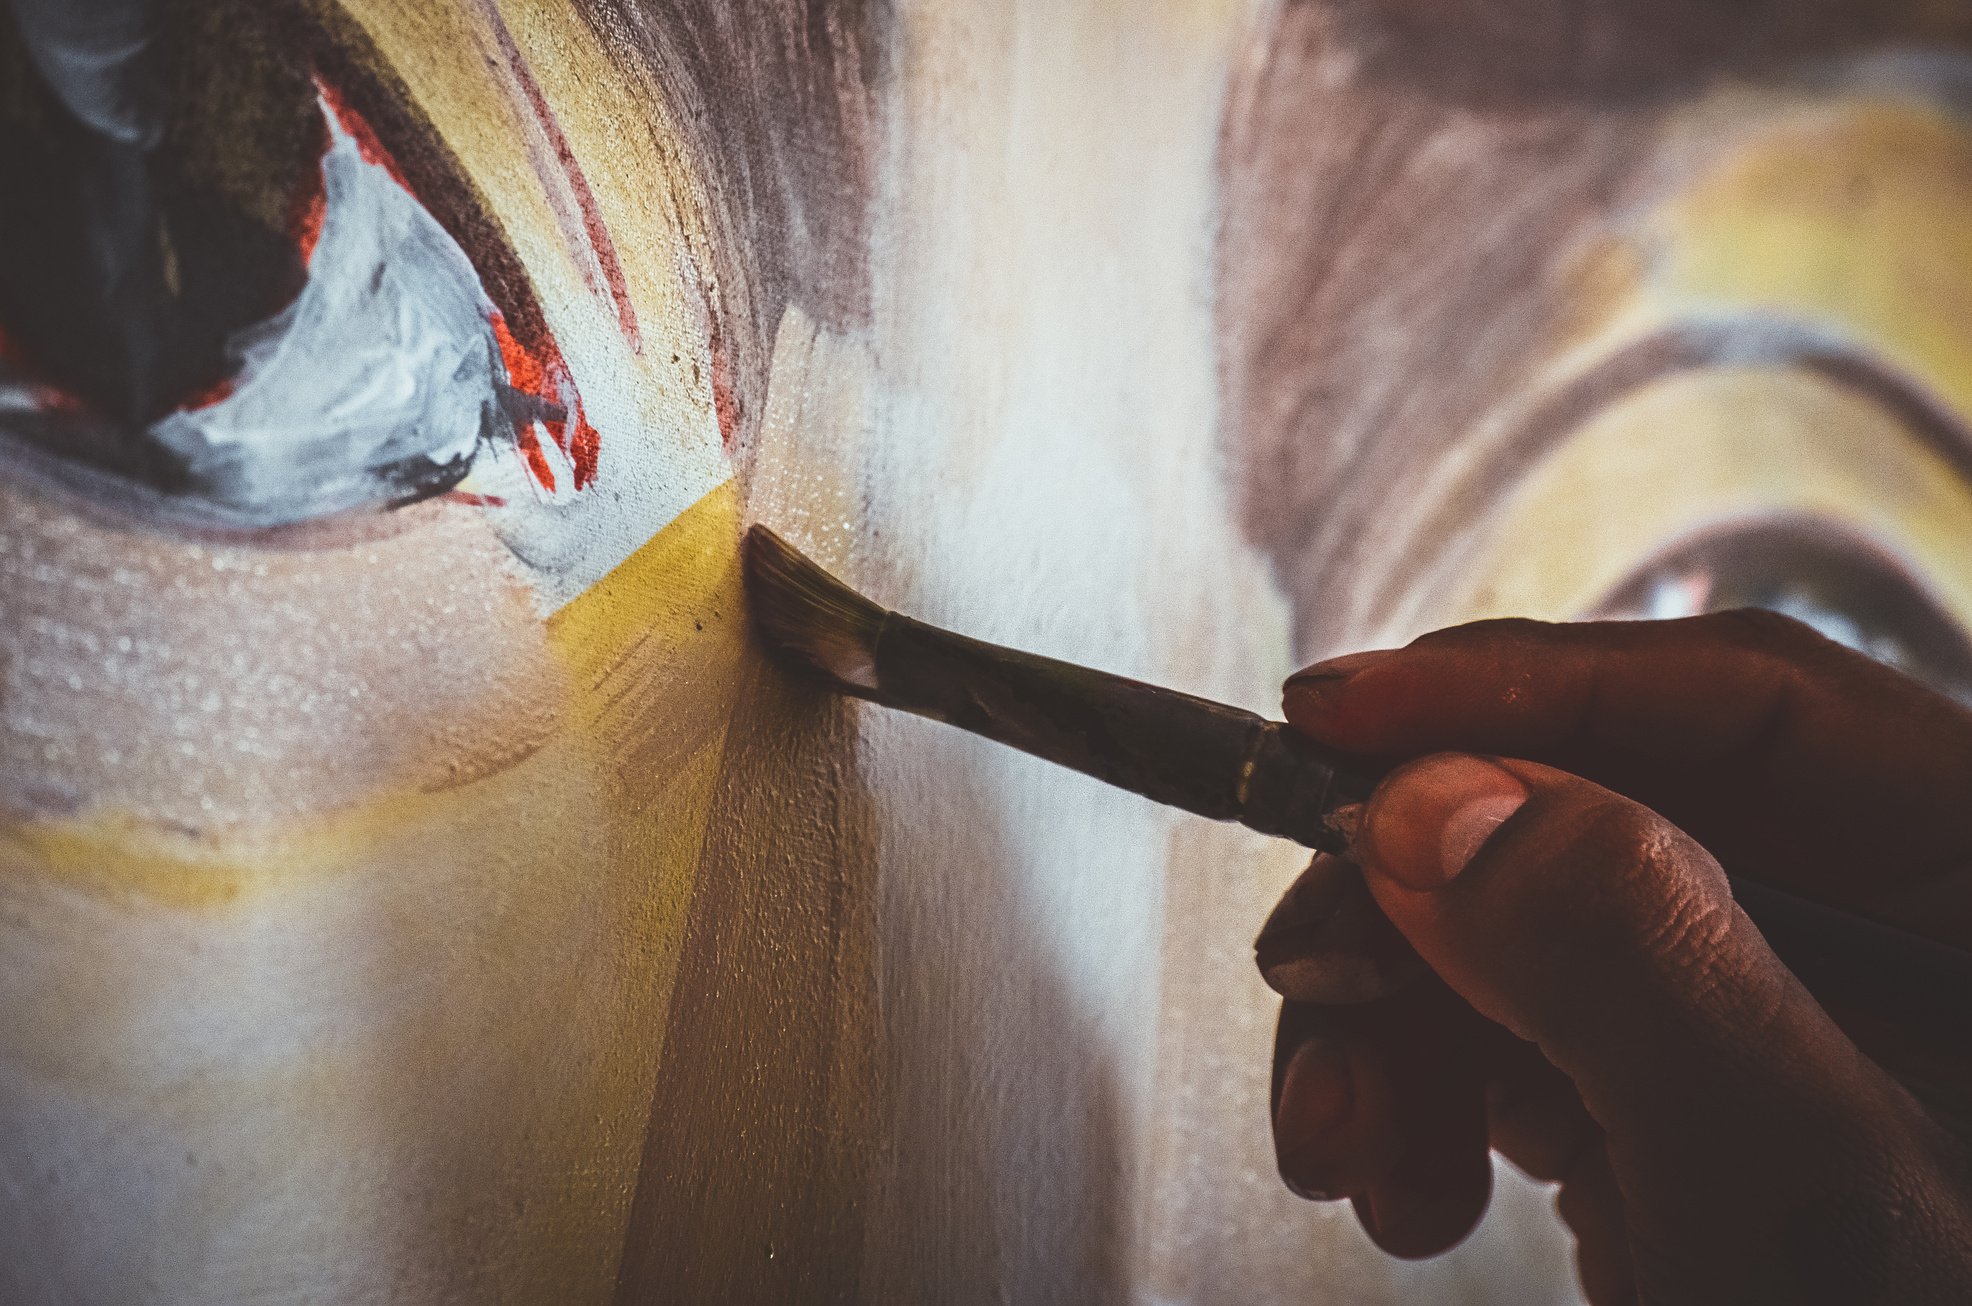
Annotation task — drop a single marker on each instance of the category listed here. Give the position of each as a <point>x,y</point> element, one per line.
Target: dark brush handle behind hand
<point>1914,989</point>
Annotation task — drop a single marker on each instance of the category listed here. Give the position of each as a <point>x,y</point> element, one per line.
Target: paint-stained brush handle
<point>1917,991</point>
<point>1176,749</point>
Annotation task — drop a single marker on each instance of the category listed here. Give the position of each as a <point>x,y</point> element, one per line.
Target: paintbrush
<point>1232,765</point>
<point>1187,752</point>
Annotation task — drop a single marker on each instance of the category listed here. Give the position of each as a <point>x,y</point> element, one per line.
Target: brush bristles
<point>810,615</point>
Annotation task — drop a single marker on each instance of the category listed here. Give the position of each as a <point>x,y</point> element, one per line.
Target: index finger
<point>1794,759</point>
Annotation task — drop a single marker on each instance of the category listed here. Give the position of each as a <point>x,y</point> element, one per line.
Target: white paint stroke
<point>381,372</point>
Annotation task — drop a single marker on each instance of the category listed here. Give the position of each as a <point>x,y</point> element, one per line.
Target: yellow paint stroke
<point>1856,216</point>
<point>1711,447</point>
<point>1853,217</point>
<point>451,1002</point>
<point>653,650</point>
<point>657,649</point>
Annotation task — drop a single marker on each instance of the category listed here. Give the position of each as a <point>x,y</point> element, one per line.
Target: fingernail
<point>1429,819</point>
<point>1314,691</point>
<point>1334,671</point>
<point>1316,1097</point>
<point>1328,943</point>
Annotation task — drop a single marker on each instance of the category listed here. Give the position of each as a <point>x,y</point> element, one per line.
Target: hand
<point>1602,1014</point>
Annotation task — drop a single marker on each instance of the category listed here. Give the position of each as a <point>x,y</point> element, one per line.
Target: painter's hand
<point>1604,1015</point>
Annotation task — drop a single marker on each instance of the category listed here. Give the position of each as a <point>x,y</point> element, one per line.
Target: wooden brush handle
<point>1906,999</point>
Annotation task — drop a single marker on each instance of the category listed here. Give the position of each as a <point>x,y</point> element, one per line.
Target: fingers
<point>1334,1130</point>
<point>1536,1120</point>
<point>1591,927</point>
<point>1534,1117</point>
<point>1327,942</point>
<point>1443,1177</point>
<point>1591,1204</point>
<point>1791,757</point>
<point>1381,1103</point>
<point>1376,1101</point>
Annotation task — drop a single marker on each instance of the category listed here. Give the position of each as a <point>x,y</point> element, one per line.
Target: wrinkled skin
<point>1603,1015</point>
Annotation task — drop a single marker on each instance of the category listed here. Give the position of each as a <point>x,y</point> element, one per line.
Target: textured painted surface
<point>398,1046</point>
<point>649,393</point>
<point>1724,445</point>
<point>346,886</point>
<point>1817,260</point>
<point>1053,179</point>
<point>445,905</point>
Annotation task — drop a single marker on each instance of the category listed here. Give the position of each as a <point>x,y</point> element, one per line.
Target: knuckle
<point>1687,946</point>
<point>1763,632</point>
<point>1629,846</point>
<point>1629,914</point>
<point>1642,880</point>
<point>1491,632</point>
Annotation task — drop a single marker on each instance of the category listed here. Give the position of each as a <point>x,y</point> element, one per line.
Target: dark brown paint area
<point>124,270</point>
<point>341,53</point>
<point>226,191</point>
<point>776,101</point>
<point>1500,53</point>
<point>125,264</point>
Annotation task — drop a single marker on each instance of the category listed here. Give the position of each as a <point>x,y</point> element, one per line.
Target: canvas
<point>416,886</point>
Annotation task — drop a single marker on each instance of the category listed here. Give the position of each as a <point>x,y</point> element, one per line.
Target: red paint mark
<point>475,500</point>
<point>219,390</point>
<point>599,243</point>
<point>536,368</point>
<point>48,398</point>
<point>526,374</point>
<point>534,456</point>
<point>367,144</point>
<point>726,407</point>
<point>310,202</point>
<point>534,363</point>
<point>524,371</point>
<point>306,223</point>
<point>585,450</point>
<point>725,400</point>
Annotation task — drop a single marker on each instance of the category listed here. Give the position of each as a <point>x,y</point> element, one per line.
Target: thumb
<point>1563,911</point>
<point>1594,928</point>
